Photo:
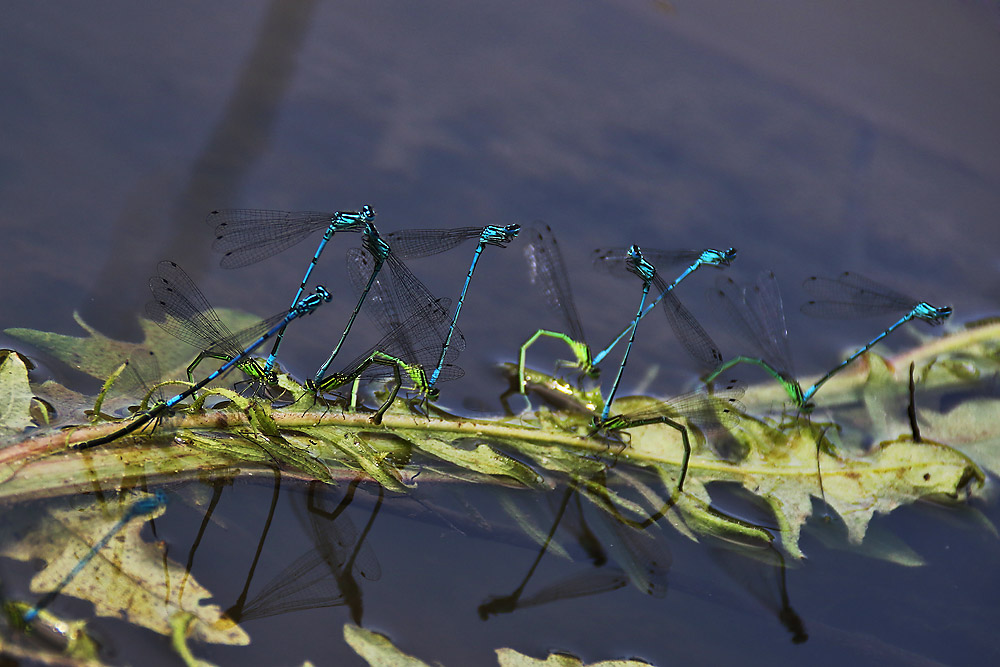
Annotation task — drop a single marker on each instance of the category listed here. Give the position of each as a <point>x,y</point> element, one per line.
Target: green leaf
<point>181,624</point>
<point>377,650</point>
<point>15,396</point>
<point>789,462</point>
<point>970,427</point>
<point>480,458</point>
<point>507,657</point>
<point>97,355</point>
<point>129,578</point>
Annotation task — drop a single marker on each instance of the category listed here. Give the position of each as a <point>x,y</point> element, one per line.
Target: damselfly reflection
<point>326,575</point>
<point>765,578</point>
<point>639,557</point>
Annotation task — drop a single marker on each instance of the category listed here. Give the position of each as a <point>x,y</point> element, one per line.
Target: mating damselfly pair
<point>420,338</point>
<point>756,313</point>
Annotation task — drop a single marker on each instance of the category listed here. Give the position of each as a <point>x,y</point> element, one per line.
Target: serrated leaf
<point>776,459</point>
<point>378,651</point>
<point>129,578</point>
<point>97,355</point>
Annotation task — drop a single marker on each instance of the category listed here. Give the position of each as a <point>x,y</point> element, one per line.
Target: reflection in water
<point>217,485</point>
<point>644,565</point>
<point>575,524</point>
<point>217,174</point>
<point>113,568</point>
<point>574,586</point>
<point>764,577</point>
<point>143,508</point>
<point>236,611</point>
<point>508,603</point>
<point>721,144</point>
<point>641,556</point>
<point>325,575</point>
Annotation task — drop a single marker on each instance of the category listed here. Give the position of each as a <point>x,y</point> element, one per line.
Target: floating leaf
<point>775,459</point>
<point>970,427</point>
<point>377,649</point>
<point>129,578</point>
<point>507,657</point>
<point>15,396</point>
<point>97,355</point>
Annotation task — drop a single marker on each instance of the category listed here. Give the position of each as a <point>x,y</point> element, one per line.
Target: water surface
<point>815,138</point>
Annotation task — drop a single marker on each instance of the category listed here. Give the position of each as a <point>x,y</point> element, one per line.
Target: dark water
<point>813,137</point>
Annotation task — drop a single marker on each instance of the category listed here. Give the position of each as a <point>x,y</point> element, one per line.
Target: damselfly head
<point>637,264</point>
<point>932,314</point>
<point>499,236</point>
<point>719,258</point>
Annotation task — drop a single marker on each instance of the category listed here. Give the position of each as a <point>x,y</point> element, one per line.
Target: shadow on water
<point>216,176</point>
